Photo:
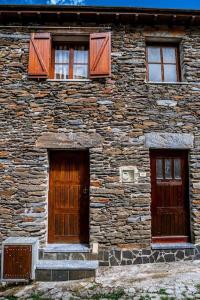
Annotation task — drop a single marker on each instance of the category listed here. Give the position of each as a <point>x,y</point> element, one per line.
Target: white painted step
<point>66,248</point>
<point>67,264</point>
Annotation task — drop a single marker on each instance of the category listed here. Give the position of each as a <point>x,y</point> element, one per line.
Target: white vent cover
<point>128,174</point>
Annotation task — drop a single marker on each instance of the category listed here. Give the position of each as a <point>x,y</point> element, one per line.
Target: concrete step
<point>67,248</point>
<point>64,270</point>
<point>67,252</point>
<point>68,256</point>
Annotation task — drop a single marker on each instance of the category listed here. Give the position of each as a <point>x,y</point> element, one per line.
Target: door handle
<point>85,190</point>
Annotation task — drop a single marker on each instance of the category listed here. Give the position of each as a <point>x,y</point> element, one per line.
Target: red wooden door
<point>69,197</point>
<point>170,202</point>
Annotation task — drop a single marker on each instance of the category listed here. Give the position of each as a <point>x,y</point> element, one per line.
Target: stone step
<point>67,252</point>
<point>67,248</point>
<point>68,256</point>
<point>64,270</point>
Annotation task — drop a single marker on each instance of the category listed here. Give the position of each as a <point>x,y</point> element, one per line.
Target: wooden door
<point>170,201</point>
<point>69,197</point>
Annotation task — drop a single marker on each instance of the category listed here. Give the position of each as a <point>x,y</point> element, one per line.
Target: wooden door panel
<point>169,195</point>
<point>68,202</point>
<point>66,224</point>
<point>170,205</point>
<point>66,196</point>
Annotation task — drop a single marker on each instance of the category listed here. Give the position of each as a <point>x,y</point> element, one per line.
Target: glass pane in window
<point>155,72</point>
<point>169,55</point>
<point>80,71</point>
<point>154,54</point>
<point>159,169</point>
<point>61,54</point>
<point>168,169</point>
<point>170,73</point>
<point>61,71</point>
<point>81,56</point>
<point>177,168</point>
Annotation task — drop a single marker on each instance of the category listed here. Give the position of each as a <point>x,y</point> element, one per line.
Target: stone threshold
<point>67,265</point>
<point>171,246</point>
<point>66,248</point>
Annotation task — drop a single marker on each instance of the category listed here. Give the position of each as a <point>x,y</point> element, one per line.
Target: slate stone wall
<point>117,257</point>
<point>117,112</point>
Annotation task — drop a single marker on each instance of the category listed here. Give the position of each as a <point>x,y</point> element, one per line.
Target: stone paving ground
<point>164,281</point>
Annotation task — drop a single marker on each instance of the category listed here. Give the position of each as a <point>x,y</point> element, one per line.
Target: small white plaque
<point>143,174</point>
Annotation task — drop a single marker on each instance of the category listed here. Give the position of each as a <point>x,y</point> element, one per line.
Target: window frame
<point>71,46</point>
<point>161,46</point>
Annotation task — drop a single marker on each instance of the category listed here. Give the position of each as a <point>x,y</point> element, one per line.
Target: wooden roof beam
<point>192,20</point>
<point>39,16</point>
<point>155,18</point>
<point>97,16</point>
<point>19,14</point>
<point>58,16</point>
<point>173,19</point>
<point>117,17</point>
<point>136,18</point>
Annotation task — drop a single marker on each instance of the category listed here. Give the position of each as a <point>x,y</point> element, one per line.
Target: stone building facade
<point>119,119</point>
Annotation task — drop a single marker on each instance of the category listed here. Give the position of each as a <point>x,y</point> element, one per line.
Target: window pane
<point>154,54</point>
<point>80,71</point>
<point>169,55</point>
<point>159,169</point>
<point>61,71</point>
<point>155,72</point>
<point>168,169</point>
<point>170,73</point>
<point>177,168</point>
<point>61,54</point>
<point>81,56</point>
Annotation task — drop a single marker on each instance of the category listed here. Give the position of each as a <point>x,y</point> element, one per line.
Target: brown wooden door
<point>69,197</point>
<point>170,202</point>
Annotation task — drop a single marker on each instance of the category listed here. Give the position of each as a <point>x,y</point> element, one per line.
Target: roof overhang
<point>66,14</point>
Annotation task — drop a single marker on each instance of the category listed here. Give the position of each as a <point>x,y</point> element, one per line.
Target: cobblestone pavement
<point>180,280</point>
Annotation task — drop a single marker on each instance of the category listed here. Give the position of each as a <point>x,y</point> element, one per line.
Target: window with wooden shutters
<point>100,55</point>
<point>39,55</point>
<point>63,60</point>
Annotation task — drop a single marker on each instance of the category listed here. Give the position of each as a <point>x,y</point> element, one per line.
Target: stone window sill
<point>173,83</point>
<point>68,80</point>
<point>171,246</point>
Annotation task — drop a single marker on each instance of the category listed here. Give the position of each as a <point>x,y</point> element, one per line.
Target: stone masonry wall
<point>117,112</point>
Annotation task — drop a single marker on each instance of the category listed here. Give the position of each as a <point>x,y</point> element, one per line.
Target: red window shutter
<point>39,55</point>
<point>100,54</point>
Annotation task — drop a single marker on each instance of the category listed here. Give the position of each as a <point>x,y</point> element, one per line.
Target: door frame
<point>173,239</point>
<point>49,166</point>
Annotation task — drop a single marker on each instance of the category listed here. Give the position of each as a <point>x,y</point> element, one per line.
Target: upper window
<point>68,58</point>
<point>163,63</point>
<point>70,62</point>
